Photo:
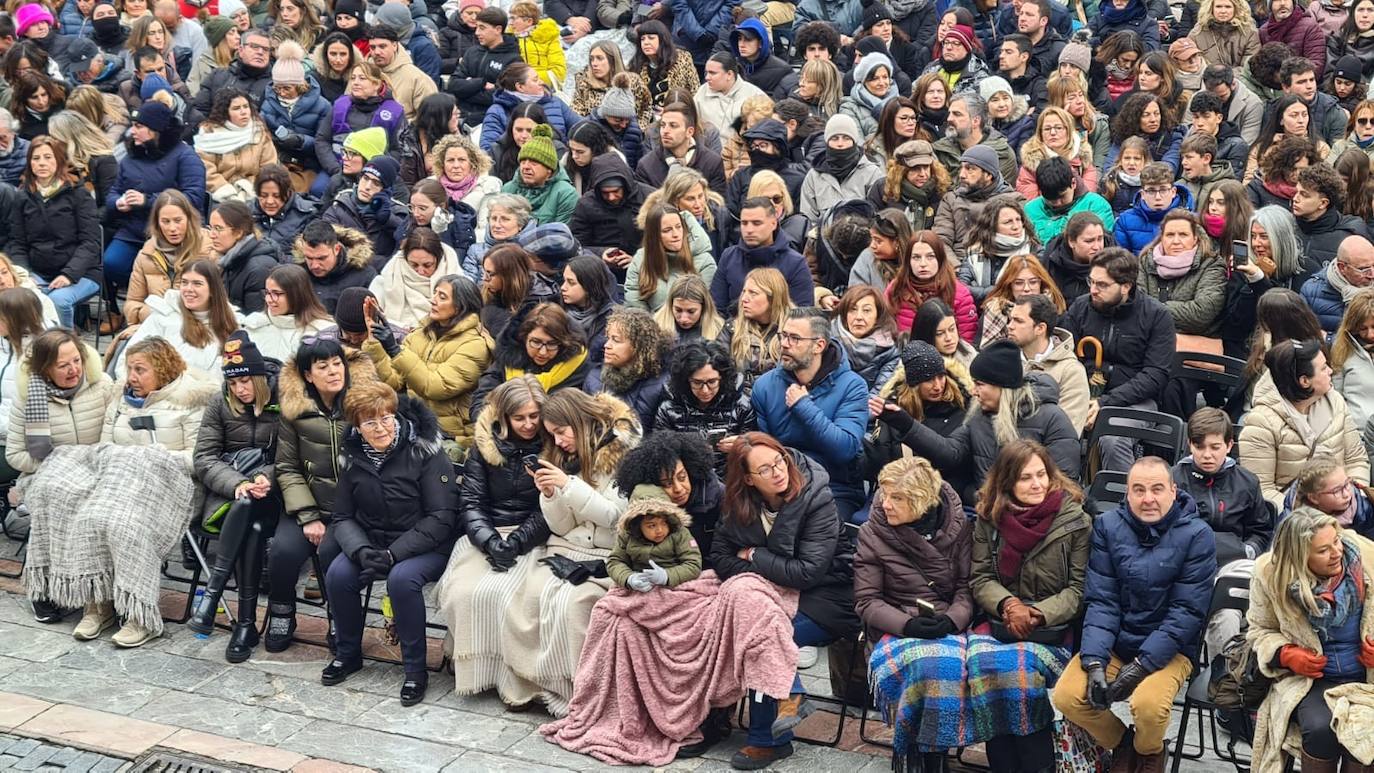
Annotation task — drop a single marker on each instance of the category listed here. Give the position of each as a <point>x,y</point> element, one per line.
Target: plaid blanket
<point>104,516</point>
<point>960,690</point>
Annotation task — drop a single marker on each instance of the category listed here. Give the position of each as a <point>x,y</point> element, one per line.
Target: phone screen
<point>1240,252</point>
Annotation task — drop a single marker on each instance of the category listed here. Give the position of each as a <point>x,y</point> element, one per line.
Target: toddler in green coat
<point>654,546</point>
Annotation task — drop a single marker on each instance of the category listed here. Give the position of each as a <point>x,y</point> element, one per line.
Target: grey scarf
<point>37,430</point>
<point>1337,280</point>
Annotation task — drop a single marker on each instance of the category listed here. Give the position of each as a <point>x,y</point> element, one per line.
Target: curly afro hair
<point>657,456</point>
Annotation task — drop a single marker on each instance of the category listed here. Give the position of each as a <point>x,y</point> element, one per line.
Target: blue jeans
<point>406,587</point>
<point>762,709</point>
<point>119,261</point>
<point>66,298</point>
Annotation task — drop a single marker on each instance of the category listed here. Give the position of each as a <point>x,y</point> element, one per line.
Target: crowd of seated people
<point>563,306</point>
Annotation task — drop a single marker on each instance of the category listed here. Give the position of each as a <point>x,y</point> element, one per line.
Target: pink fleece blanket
<point>653,665</point>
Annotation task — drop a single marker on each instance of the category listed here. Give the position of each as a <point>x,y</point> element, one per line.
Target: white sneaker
<point>96,620</point>
<point>807,657</point>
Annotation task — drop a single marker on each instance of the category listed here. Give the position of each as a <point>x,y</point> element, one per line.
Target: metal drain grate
<point>166,762</point>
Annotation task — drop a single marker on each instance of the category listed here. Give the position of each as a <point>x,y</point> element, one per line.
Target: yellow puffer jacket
<point>442,371</point>
<point>542,49</point>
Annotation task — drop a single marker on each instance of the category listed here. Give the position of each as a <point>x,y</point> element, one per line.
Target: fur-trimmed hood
<point>296,400</point>
<point>649,499</point>
<point>357,249</point>
<point>493,449</point>
<point>626,433</point>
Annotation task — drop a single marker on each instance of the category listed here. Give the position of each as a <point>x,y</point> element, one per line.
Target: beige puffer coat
<point>176,410</point>
<point>154,274</point>
<point>229,176</point>
<point>1061,364</point>
<point>586,512</point>
<point>1271,627</point>
<point>1273,446</point>
<point>1226,43</point>
<point>71,422</point>
<point>409,84</point>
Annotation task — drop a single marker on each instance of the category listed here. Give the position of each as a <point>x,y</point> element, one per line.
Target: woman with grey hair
<point>440,361</point>
<point>1312,630</point>
<point>508,217</point>
<point>1275,261</point>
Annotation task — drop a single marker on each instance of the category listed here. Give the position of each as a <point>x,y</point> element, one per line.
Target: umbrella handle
<point>1083,342</point>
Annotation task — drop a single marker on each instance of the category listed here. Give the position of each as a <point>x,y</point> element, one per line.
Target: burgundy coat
<point>1302,34</point>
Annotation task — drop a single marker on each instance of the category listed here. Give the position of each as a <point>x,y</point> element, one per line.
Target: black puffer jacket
<point>976,441</point>
<point>235,76</point>
<point>510,359</point>
<point>409,505</point>
<point>1068,274</point>
<point>455,37</point>
<point>1138,339</point>
<point>60,235</point>
<point>354,268</point>
<point>383,223</point>
<point>731,413</point>
<point>1319,239</point>
<point>286,225</point>
<point>600,226</point>
<point>807,549</point>
<point>793,173</point>
<point>497,491</point>
<point>245,272</point>
<point>1231,503</point>
<point>223,432</point>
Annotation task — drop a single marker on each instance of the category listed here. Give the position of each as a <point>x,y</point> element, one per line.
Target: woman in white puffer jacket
<point>293,312</point>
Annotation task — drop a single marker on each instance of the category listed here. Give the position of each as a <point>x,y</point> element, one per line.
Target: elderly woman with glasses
<point>395,519</point>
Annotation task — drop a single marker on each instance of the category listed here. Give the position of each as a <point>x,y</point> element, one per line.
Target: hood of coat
<point>609,166</point>
<point>625,435</point>
<point>192,389</point>
<point>357,249</point>
<point>296,399</point>
<point>765,42</point>
<point>771,130</point>
<point>90,357</point>
<point>495,450</point>
<point>417,427</point>
<point>652,505</point>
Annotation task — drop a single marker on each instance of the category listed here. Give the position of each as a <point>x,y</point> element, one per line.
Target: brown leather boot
<point>114,322</point>
<point>1351,765</point>
<point>1151,763</point>
<point>1123,756</point>
<point>1312,764</point>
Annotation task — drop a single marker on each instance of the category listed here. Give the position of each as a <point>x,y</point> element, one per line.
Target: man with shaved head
<point>1329,290</point>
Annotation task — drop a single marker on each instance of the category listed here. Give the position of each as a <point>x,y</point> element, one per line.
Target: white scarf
<point>227,139</point>
<point>404,294</point>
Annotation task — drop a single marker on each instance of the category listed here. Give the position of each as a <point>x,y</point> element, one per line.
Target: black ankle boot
<point>281,626</point>
<point>413,688</point>
<point>207,607</point>
<point>244,638</point>
<point>715,729</point>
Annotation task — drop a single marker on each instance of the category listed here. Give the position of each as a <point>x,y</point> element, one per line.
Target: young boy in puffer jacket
<point>654,546</point>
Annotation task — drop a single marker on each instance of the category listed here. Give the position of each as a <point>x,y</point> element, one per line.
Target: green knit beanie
<point>539,148</point>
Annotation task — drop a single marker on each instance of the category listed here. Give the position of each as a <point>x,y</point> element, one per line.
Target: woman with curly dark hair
<point>706,395</point>
<point>36,99</point>
<point>234,144</point>
<point>661,66</point>
<point>1278,172</point>
<point>632,368</point>
<point>1147,116</point>
<point>679,463</point>
<point>1288,117</point>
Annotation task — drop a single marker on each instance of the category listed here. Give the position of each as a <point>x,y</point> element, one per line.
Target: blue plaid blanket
<point>960,690</point>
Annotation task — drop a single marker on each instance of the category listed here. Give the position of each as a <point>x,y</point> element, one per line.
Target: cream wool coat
<point>1270,628</point>
<point>71,422</point>
<point>280,337</point>
<point>1272,444</point>
<point>164,321</point>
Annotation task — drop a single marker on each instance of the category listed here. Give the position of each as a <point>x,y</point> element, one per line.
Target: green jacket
<point>1195,300</point>
<point>678,554</point>
<point>1052,574</point>
<point>1049,224</point>
<point>553,202</point>
<point>1202,187</point>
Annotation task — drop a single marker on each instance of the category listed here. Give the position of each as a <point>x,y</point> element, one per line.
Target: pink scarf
<point>457,190</point>
<point>1213,224</point>
<point>1172,266</point>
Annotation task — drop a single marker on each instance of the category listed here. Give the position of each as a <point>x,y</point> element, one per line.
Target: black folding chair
<point>1229,593</point>
<point>1202,368</point>
<point>1164,433</point>
<point>1107,490</point>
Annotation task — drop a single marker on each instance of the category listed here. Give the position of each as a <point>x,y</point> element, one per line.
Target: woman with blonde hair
<point>149,32</point>
<point>689,313</point>
<point>90,154</point>
<point>735,154</point>
<point>820,87</point>
<point>1352,357</point>
<point>1359,132</point>
<point>752,336</point>
<point>1225,32</point>
<point>367,103</point>
<point>1055,134</point>
<point>674,245</point>
<point>464,171</point>
<point>106,112</point>
<point>1071,94</point>
<point>604,62</point>
<point>220,54</point>
<point>177,241</point>
<point>1311,626</point>
<point>687,190</point>
<point>12,276</point>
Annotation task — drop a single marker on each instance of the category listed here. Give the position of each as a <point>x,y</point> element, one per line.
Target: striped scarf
<point>37,429</point>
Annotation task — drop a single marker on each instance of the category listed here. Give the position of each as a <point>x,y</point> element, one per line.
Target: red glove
<point>1367,653</point>
<point>1303,661</point>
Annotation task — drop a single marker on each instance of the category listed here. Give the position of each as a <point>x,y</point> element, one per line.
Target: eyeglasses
<point>256,46</point>
<point>703,384</point>
<point>769,470</point>
<point>377,425</point>
<point>542,346</point>
<point>1368,121</point>
<point>1101,285</point>
<point>220,229</point>
<point>351,153</point>
<point>792,339</point>
<point>1367,271</point>
<point>1026,284</point>
<point>1156,191</point>
<point>1336,490</point>
<point>274,294</point>
<point>777,200</point>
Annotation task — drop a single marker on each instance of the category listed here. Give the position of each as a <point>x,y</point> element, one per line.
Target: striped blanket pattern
<point>960,690</point>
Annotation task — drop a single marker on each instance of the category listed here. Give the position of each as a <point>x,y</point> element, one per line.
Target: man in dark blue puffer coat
<point>1148,589</point>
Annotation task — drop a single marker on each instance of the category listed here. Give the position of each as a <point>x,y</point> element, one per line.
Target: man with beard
<point>980,178</point>
<point>814,402</point>
<point>1138,342</point>
<point>966,127</point>
<point>761,245</point>
<point>678,141</point>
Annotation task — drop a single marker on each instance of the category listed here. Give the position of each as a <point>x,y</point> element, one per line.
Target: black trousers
<point>1027,753</point>
<point>290,550</point>
<point>1314,719</point>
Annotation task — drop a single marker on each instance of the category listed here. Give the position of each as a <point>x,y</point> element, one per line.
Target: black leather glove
<point>899,420</point>
<point>294,142</point>
<point>516,540</point>
<point>501,550</point>
<point>928,627</point>
<point>1127,679</point>
<point>567,569</point>
<point>1098,691</point>
<point>623,20</point>
<point>386,337</point>
<point>499,563</point>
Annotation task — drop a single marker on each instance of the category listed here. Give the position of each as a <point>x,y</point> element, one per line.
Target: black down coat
<point>286,225</point>
<point>731,413</point>
<point>58,236</point>
<point>245,268</point>
<point>807,549</point>
<point>410,505</point>
<point>600,226</point>
<point>497,491</point>
<point>224,432</point>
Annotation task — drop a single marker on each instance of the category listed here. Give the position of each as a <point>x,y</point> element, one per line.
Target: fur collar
<point>296,402</point>
<point>357,247</point>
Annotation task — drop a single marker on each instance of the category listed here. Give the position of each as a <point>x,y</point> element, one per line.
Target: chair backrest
<point>1164,431</point>
<point>1107,490</point>
<point>1207,368</point>
<point>1230,593</point>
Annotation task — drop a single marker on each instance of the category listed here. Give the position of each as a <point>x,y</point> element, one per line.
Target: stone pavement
<point>177,694</point>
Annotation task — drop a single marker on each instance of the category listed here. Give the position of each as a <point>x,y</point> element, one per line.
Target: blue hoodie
<point>1138,226</point>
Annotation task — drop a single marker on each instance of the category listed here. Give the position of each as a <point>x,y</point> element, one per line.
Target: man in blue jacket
<point>814,402</point>
<point>1148,589</point>
<point>762,245</point>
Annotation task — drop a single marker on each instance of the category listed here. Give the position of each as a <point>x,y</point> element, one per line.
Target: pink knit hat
<point>29,15</point>
<point>465,4</point>
<point>965,36</point>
